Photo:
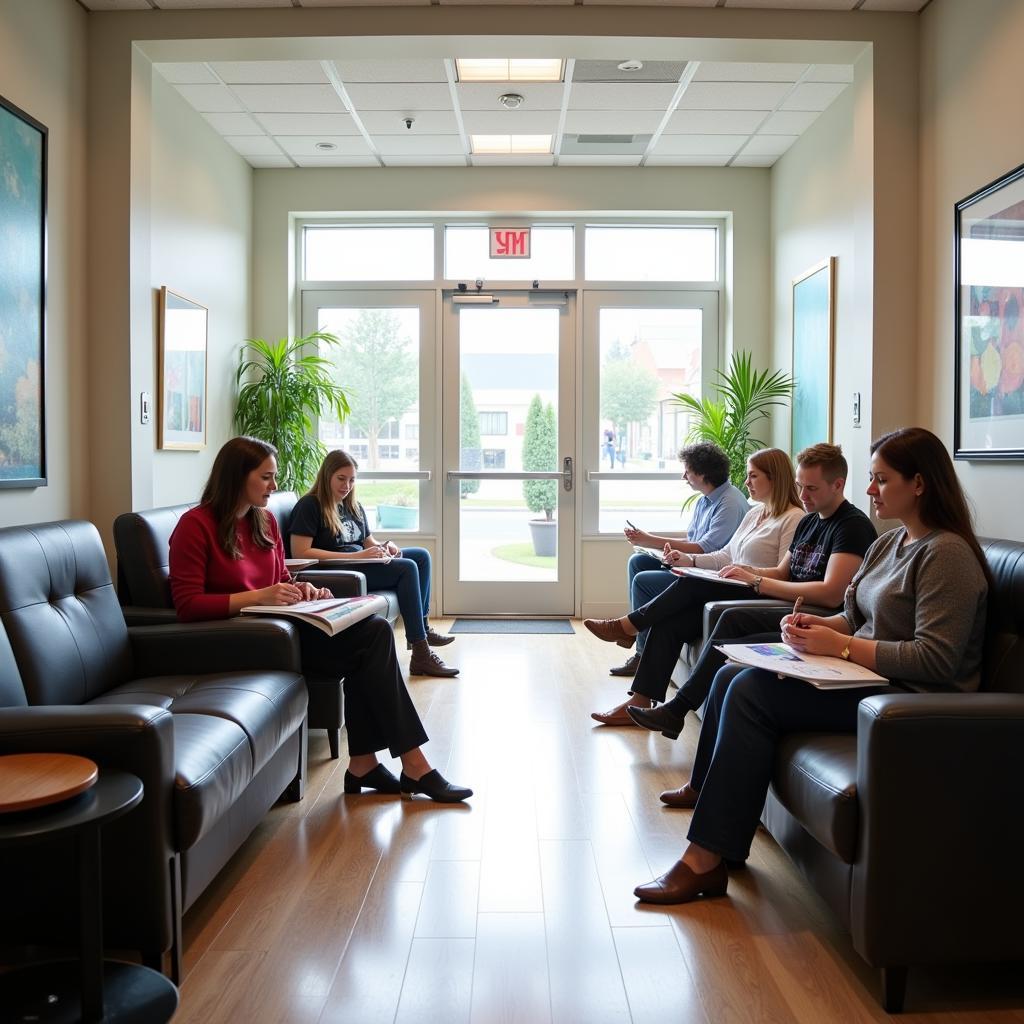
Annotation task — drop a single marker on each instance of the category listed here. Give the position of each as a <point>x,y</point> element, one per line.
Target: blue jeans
<point>646,581</point>
<point>409,578</point>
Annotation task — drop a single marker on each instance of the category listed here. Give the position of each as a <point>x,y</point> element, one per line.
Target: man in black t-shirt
<point>827,549</point>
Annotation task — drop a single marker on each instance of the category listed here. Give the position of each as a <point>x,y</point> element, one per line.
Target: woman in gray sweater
<point>914,613</point>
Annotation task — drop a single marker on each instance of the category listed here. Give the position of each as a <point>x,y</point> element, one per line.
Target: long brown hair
<point>942,504</point>
<point>775,465</point>
<point>321,489</point>
<point>224,489</point>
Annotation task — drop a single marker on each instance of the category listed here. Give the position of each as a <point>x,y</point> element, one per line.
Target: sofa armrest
<point>224,645</point>
<point>773,612</point>
<point>134,615</point>
<point>340,582</point>
<point>940,784</point>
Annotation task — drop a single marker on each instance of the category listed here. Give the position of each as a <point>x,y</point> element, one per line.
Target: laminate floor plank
<point>438,982</point>
<point>214,989</point>
<point>451,894</point>
<point>510,971</point>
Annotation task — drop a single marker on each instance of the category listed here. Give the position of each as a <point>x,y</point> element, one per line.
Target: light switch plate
<point>856,408</point>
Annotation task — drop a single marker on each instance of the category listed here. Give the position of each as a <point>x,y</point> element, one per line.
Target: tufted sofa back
<point>64,638</point>
<point>1004,640</point>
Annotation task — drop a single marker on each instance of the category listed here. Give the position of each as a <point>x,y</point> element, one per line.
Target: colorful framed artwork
<point>989,312</point>
<point>813,348</point>
<point>183,338</point>
<point>23,154</point>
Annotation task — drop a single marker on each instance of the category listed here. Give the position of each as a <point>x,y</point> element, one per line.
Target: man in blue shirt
<point>719,511</point>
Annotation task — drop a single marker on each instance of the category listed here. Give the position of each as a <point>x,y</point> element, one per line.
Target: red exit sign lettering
<point>510,243</point>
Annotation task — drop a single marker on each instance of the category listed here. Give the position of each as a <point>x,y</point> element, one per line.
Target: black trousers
<point>673,618</point>
<point>379,713</point>
<point>747,713</point>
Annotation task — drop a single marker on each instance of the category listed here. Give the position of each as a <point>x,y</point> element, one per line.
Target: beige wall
<point>972,78</point>
<point>42,71</point>
<point>200,245</point>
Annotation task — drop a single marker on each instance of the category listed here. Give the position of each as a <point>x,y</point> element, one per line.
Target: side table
<point>88,989</point>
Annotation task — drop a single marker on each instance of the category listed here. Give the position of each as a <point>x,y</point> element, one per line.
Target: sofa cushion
<point>267,706</point>
<point>213,765</point>
<point>816,781</point>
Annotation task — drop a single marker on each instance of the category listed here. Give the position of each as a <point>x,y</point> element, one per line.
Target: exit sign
<point>510,243</point>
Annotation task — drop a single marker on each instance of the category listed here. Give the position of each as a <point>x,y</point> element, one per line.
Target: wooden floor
<point>518,906</point>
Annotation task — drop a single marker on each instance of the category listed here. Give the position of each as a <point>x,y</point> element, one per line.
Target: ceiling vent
<point>607,145</point>
<point>658,71</point>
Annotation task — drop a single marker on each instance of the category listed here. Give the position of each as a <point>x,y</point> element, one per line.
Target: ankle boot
<point>424,662</point>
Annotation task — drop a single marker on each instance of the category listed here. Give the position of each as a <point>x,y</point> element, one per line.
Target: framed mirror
<point>182,359</point>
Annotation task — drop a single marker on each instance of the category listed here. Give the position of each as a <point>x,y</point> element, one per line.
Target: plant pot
<point>545,537</point>
<point>397,517</point>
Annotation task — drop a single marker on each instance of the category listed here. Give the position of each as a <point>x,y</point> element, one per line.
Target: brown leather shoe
<point>680,884</point>
<point>684,796</point>
<point>424,662</point>
<point>611,631</point>
<point>617,716</point>
<point>628,669</point>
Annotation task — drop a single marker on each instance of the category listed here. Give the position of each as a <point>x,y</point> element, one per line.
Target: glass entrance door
<point>508,455</point>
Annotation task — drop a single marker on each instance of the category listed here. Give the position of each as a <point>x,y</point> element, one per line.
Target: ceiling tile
<point>753,161</point>
<point>654,3</point>
<point>796,5</point>
<point>269,161</point>
<point>299,99</point>
<point>531,3</point>
<point>830,73</point>
<point>698,145</point>
<point>363,3</point>
<point>337,161</point>
<point>410,98</point>
<point>253,145</point>
<point>594,160</point>
<point>507,160</point>
<point>117,5</point>
<point>714,122</point>
<point>234,124</point>
<point>506,122</point>
<point>305,145</point>
<point>813,96</point>
<point>309,124</point>
<point>420,160</point>
<point>679,160</point>
<point>621,96</point>
<point>391,70</point>
<point>628,122</point>
<point>267,72</point>
<point>768,145</point>
<point>186,74</point>
<point>402,145</point>
<point>893,5</point>
<point>209,98</point>
<point>425,122</point>
<point>193,5</point>
<point>484,96</point>
<point>733,95</point>
<point>737,71</point>
<point>788,122</point>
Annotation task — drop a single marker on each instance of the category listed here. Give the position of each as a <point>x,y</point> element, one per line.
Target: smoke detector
<point>511,100</point>
<point>631,65</point>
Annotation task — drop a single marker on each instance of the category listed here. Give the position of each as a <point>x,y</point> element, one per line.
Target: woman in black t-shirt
<point>328,523</point>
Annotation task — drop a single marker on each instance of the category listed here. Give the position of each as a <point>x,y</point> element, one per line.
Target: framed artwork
<point>183,325</point>
<point>988,264</point>
<point>23,151</point>
<point>813,346</point>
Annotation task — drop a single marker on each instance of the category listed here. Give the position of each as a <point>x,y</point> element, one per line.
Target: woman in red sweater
<point>227,553</point>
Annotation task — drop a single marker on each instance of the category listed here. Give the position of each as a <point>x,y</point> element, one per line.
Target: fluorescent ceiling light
<point>505,145</point>
<point>515,69</point>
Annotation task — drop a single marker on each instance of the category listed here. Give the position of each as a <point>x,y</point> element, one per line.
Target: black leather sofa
<point>210,716</point>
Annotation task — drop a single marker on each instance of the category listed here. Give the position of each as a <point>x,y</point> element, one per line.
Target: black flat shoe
<point>378,778</point>
<point>436,786</point>
<point>660,719</point>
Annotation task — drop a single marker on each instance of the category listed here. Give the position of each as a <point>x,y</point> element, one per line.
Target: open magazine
<point>707,574</point>
<point>817,669</point>
<point>331,615</point>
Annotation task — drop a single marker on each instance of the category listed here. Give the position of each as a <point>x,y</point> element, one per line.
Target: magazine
<point>817,669</point>
<point>330,615</point>
<point>707,574</point>
<point>652,552</point>
<point>298,564</point>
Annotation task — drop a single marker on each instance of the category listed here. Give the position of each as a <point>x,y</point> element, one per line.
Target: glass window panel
<point>467,255</point>
<point>342,253</point>
<point>494,423</point>
<point>651,505</point>
<point>651,253</point>
<point>391,505</point>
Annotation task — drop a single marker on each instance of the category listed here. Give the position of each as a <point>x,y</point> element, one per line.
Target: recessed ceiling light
<point>507,145</point>
<point>631,65</point>
<point>511,100</point>
<point>508,69</point>
<point>324,147</point>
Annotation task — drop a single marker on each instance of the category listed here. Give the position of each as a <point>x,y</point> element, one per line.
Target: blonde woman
<point>762,539</point>
<point>329,523</point>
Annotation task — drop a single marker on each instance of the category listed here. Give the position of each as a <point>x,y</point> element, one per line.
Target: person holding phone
<point>719,510</point>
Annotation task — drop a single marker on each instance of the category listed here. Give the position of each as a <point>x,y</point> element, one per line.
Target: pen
<point>630,525</point>
<point>796,607</point>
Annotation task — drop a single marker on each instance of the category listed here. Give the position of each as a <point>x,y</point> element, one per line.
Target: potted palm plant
<point>744,398</point>
<point>283,388</point>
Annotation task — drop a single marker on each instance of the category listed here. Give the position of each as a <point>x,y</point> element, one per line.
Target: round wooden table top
<point>35,780</point>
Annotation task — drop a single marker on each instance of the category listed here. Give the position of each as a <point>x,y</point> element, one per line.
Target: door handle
<point>567,472</point>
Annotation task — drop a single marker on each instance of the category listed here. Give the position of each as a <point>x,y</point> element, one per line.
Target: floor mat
<point>511,626</point>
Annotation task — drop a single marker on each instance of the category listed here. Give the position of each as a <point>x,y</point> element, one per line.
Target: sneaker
<point>629,669</point>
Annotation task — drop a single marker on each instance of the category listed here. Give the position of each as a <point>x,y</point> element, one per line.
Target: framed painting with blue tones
<point>22,298</point>
<point>988,266</point>
<point>813,348</point>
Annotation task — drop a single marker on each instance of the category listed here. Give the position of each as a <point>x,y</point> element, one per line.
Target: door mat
<point>511,626</point>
